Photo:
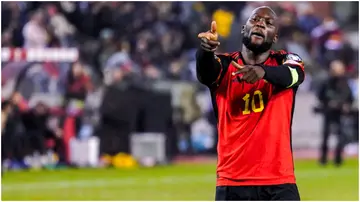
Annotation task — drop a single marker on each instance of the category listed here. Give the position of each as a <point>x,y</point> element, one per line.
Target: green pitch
<point>178,182</point>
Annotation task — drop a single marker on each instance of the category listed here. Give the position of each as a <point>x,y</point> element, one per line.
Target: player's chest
<point>246,98</point>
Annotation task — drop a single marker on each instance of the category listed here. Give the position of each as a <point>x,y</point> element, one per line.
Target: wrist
<point>265,68</point>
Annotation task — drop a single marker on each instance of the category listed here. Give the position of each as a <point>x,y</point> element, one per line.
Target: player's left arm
<point>287,75</point>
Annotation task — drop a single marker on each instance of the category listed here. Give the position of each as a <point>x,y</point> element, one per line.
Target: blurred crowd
<point>157,41</point>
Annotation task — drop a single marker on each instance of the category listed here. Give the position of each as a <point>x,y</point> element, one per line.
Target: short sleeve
<point>293,59</point>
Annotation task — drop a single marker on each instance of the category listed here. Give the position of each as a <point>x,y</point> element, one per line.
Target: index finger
<point>237,65</point>
<point>213,27</point>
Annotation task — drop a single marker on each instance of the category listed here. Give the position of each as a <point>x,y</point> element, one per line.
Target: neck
<point>252,58</point>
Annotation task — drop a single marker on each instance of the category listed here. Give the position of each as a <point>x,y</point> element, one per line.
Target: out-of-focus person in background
<point>61,27</point>
<point>78,85</point>
<point>34,32</point>
<point>107,47</point>
<point>336,100</point>
<point>307,19</point>
<point>119,110</point>
<point>352,146</point>
<point>354,85</point>
<point>6,109</point>
<point>38,131</point>
<point>13,134</point>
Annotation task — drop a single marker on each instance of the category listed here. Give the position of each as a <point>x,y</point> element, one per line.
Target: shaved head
<point>264,7</point>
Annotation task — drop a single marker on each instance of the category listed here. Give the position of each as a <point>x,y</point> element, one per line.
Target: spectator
<point>178,70</point>
<point>63,30</point>
<point>354,86</point>
<point>34,32</point>
<point>119,58</point>
<point>6,39</point>
<point>13,135</point>
<point>288,25</point>
<point>152,73</point>
<point>307,19</point>
<point>336,98</point>
<point>36,123</point>
<point>320,35</point>
<point>120,110</point>
<point>108,47</point>
<point>78,85</point>
<point>6,109</point>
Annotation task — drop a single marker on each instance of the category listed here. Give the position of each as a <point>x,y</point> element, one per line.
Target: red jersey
<point>254,125</point>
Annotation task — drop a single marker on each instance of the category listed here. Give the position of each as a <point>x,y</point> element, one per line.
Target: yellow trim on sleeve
<point>294,76</point>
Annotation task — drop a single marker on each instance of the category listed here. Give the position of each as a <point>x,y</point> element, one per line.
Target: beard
<point>256,48</point>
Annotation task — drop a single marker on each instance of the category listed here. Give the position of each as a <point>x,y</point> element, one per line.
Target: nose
<point>261,23</point>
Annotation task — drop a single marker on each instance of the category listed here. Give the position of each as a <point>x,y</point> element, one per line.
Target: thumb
<point>237,65</point>
<point>213,27</point>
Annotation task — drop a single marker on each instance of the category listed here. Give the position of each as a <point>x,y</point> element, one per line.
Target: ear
<point>243,29</point>
<point>275,38</point>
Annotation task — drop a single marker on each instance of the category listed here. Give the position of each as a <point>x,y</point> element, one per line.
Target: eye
<point>256,19</point>
<point>269,23</point>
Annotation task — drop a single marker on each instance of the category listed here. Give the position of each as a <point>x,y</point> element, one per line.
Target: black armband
<point>285,76</point>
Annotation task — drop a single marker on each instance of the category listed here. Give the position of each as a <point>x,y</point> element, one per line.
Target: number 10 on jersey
<point>256,100</point>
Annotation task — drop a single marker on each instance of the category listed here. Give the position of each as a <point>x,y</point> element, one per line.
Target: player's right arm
<point>208,65</point>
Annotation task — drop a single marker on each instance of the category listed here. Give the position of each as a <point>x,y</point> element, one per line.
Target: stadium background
<point>172,124</point>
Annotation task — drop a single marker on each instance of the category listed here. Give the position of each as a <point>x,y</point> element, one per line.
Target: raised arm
<point>208,68</point>
<point>208,65</point>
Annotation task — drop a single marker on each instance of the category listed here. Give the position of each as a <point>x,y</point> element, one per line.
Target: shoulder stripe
<point>279,52</point>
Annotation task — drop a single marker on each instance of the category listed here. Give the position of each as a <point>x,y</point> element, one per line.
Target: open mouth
<point>258,34</point>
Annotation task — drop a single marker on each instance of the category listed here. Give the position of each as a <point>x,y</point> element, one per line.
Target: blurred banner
<point>35,71</point>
